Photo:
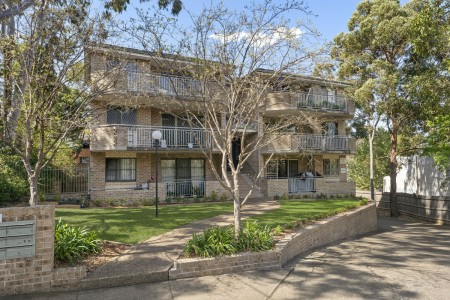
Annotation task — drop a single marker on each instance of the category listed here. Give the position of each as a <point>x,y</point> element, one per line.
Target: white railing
<point>172,137</point>
<point>322,102</point>
<point>322,142</point>
<point>185,188</point>
<point>299,185</point>
<point>165,84</point>
<point>312,142</point>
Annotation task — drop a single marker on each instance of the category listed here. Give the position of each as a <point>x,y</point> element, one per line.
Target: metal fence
<point>299,185</point>
<point>185,188</point>
<point>64,181</point>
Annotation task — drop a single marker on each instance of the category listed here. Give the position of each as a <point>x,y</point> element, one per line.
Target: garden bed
<point>339,227</point>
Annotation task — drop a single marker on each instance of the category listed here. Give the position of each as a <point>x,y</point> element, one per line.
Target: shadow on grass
<point>133,225</point>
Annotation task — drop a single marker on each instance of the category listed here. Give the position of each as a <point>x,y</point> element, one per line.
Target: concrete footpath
<point>151,260</point>
<point>403,260</point>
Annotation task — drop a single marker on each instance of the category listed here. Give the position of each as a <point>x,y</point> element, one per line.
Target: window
<point>132,75</point>
<point>331,167</point>
<point>116,115</point>
<point>183,176</point>
<point>282,168</point>
<point>84,160</point>
<point>330,128</point>
<point>111,64</point>
<point>120,169</point>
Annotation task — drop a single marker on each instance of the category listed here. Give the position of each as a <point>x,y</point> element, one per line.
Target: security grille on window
<point>116,115</point>
<point>120,169</point>
<point>331,166</point>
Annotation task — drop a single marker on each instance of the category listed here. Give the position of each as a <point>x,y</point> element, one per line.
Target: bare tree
<point>234,59</point>
<point>45,95</point>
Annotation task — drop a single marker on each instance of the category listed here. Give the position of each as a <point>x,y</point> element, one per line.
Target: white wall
<point>419,176</point>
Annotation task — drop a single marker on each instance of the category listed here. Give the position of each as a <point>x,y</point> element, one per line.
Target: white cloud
<point>261,39</point>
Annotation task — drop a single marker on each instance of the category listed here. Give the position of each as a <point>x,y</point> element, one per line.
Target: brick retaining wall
<point>339,227</point>
<point>30,274</point>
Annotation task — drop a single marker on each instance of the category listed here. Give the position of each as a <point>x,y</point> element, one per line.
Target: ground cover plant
<point>258,232</point>
<point>73,243</point>
<point>134,225</point>
<point>217,241</point>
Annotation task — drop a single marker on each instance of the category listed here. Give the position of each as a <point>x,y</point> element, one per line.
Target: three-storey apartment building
<point>139,101</point>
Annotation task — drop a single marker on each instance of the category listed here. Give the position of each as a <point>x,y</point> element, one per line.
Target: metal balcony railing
<point>311,142</point>
<point>172,137</point>
<point>185,188</point>
<point>323,142</point>
<point>166,84</point>
<point>322,102</point>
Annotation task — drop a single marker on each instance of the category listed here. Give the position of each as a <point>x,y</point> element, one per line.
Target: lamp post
<point>156,135</point>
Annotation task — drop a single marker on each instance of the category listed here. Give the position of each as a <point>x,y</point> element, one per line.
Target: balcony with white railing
<point>132,137</point>
<point>309,101</point>
<point>322,102</point>
<point>169,85</point>
<point>311,142</point>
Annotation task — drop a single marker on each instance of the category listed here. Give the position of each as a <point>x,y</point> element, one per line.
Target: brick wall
<point>214,185</point>
<point>277,187</point>
<point>97,170</point>
<point>21,275</point>
<point>37,273</point>
<point>335,188</point>
<point>343,226</point>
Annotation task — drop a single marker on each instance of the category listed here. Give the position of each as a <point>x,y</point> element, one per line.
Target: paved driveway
<point>404,260</point>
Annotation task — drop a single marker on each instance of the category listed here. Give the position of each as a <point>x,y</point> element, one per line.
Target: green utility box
<point>17,239</point>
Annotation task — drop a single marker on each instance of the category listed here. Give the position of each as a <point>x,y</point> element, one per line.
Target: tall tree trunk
<point>393,164</point>
<point>237,207</point>
<point>372,187</point>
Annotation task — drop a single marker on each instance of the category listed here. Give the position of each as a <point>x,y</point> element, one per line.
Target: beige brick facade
<point>118,141</point>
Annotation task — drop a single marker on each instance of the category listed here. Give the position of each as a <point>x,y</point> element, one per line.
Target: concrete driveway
<point>403,260</point>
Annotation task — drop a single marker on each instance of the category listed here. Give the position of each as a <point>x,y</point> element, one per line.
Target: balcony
<point>170,85</point>
<point>311,142</point>
<point>310,101</point>
<point>129,137</point>
<point>322,102</point>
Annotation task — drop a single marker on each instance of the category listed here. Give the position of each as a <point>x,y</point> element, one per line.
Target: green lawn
<point>291,211</point>
<point>134,225</point>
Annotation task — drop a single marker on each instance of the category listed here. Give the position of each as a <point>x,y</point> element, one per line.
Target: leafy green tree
<point>432,48</point>
<point>13,179</point>
<point>392,74</point>
<point>44,101</point>
<point>359,167</point>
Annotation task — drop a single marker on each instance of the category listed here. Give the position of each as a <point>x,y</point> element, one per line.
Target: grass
<point>292,211</point>
<point>134,225</point>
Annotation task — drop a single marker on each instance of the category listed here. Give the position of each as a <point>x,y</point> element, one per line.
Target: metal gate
<point>64,181</point>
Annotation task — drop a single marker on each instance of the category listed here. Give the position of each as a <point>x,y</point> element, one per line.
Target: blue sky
<point>332,15</point>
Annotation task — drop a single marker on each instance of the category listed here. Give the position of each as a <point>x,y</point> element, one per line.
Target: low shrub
<point>255,238</point>
<point>74,243</point>
<point>218,241</point>
<point>212,242</point>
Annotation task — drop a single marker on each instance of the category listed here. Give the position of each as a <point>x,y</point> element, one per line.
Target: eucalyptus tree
<point>379,54</point>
